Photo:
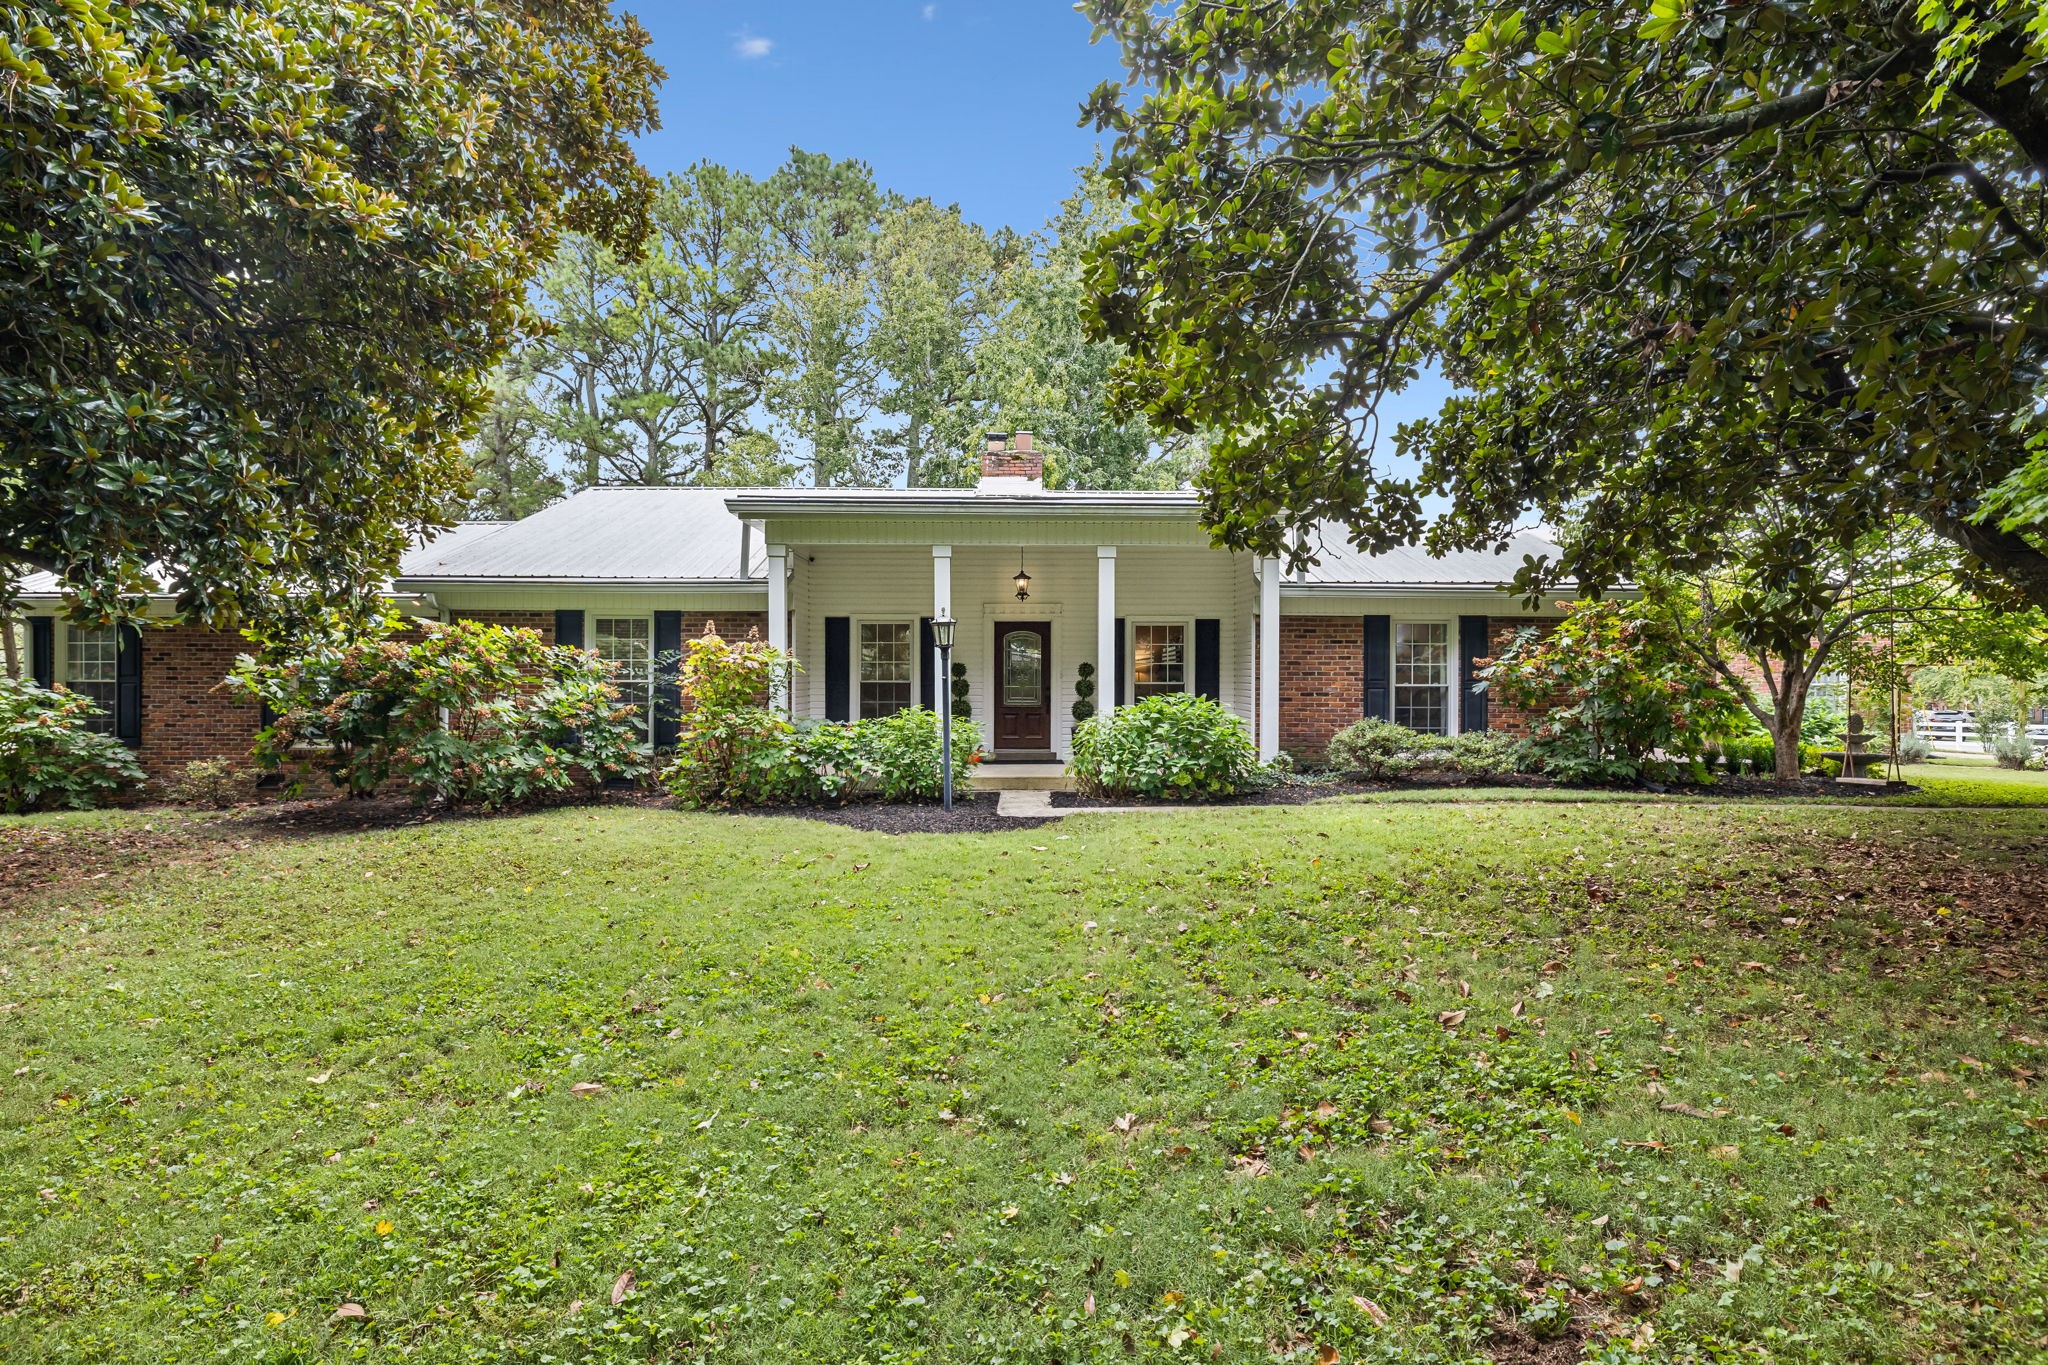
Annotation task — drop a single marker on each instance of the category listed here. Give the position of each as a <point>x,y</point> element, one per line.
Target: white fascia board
<point>621,585</point>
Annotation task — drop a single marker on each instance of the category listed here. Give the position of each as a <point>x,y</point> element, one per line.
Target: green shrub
<point>1178,746</point>
<point>1483,753</point>
<point>2015,750</point>
<point>467,713</point>
<point>1377,750</point>
<point>1914,748</point>
<point>963,709</point>
<point>215,783</point>
<point>1616,684</point>
<point>732,748</point>
<point>49,759</point>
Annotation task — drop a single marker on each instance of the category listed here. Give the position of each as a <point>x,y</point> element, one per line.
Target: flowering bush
<point>49,758</point>
<point>1615,686</point>
<point>732,748</point>
<point>1178,746</point>
<point>467,713</point>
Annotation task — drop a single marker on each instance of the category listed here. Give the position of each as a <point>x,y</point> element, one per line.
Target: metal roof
<point>600,535</point>
<point>1342,565</point>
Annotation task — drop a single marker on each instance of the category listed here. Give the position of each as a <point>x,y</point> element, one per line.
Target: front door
<point>1024,686</point>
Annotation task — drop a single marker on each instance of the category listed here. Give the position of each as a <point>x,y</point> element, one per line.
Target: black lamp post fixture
<point>942,636</point>
<point>1022,580</point>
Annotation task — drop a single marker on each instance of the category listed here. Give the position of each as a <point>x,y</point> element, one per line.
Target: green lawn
<point>1685,1081</point>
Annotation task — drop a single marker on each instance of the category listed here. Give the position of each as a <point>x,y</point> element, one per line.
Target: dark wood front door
<point>1024,686</point>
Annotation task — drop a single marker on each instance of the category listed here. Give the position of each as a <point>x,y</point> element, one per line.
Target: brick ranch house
<point>849,580</point>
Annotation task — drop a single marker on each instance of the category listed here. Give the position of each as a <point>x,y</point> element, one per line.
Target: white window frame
<point>1187,644</point>
<point>646,710</point>
<point>103,721</point>
<point>1450,684</point>
<point>917,665</point>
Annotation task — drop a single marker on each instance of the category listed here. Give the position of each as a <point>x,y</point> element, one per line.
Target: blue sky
<point>973,102</point>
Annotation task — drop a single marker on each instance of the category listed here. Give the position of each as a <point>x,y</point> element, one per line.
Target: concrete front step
<point>1022,777</point>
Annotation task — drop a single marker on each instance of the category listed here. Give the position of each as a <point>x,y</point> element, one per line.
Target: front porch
<point>1032,620</point>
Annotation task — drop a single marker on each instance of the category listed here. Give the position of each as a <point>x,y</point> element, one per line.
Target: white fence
<point>1955,732</point>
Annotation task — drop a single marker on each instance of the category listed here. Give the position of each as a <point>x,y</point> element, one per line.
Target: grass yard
<point>1369,1081</point>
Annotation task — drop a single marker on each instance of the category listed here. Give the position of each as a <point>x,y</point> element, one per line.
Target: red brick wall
<point>187,713</point>
<point>1322,679</point>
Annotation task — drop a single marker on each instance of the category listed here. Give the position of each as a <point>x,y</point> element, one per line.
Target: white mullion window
<point>1159,658</point>
<point>1422,676</point>
<point>627,642</point>
<point>888,667</point>
<point>92,656</point>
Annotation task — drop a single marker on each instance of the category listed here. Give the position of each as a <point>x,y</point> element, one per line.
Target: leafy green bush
<point>731,747</point>
<point>963,709</point>
<point>1614,684</point>
<point>468,713</point>
<point>2013,750</point>
<point>1178,746</point>
<point>1483,753</point>
<point>215,783</point>
<point>1378,750</point>
<point>733,750</point>
<point>48,758</point>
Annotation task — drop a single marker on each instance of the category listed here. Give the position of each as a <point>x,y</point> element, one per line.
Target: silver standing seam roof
<point>691,537</point>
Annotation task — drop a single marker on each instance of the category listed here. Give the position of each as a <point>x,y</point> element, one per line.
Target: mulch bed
<point>1301,792</point>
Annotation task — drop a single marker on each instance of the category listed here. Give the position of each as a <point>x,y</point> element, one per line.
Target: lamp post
<point>942,636</point>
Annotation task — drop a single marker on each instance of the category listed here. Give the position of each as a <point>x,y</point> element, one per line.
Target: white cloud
<point>750,47</point>
<point>931,12</point>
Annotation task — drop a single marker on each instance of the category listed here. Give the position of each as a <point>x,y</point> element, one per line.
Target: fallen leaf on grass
<point>320,1079</point>
<point>351,1310</point>
<point>1124,1122</point>
<point>1451,1018</point>
<point>621,1287</point>
<point>1681,1107</point>
<point>585,1089</point>
<point>1369,1308</point>
<point>1326,1354</point>
<point>1088,1305</point>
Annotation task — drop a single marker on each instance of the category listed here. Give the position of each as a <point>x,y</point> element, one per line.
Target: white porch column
<point>1269,659</point>
<point>778,609</point>
<point>942,605</point>
<point>1105,630</point>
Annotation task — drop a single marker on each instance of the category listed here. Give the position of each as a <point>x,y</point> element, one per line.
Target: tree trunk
<point>2006,553</point>
<point>1785,745</point>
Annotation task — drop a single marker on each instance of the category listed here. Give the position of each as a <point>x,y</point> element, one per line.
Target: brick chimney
<point>1010,465</point>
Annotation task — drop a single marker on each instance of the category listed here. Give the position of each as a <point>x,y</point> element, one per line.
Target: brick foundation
<point>1322,679</point>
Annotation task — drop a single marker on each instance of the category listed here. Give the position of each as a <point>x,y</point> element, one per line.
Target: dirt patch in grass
<point>1513,1344</point>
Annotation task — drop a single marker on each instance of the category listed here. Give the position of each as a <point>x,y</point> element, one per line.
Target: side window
<point>1422,676</point>
<point>91,659</point>
<point>628,643</point>
<point>1159,656</point>
<point>886,655</point>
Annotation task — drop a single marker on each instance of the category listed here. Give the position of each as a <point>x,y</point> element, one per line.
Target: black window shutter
<point>42,650</point>
<point>1472,645</point>
<point>1209,658</point>
<point>927,665</point>
<point>838,668</point>
<point>1117,697</point>
<point>668,692</point>
<point>128,687</point>
<point>1379,650</point>
<point>569,629</point>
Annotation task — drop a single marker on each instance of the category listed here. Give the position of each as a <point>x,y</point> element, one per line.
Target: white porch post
<point>778,608</point>
<point>942,605</point>
<point>1269,659</point>
<point>1105,630</point>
